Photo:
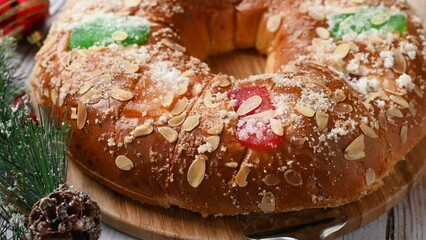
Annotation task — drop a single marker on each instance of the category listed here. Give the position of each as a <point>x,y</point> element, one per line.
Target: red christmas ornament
<point>19,101</point>
<point>21,16</point>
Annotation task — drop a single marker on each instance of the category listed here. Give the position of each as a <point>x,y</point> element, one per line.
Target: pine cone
<point>65,214</point>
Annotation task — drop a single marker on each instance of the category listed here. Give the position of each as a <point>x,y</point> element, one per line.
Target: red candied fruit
<point>255,133</point>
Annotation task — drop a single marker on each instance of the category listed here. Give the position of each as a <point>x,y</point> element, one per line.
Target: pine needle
<point>32,156</point>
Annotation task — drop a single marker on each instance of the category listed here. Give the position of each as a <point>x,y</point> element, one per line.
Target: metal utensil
<point>300,225</point>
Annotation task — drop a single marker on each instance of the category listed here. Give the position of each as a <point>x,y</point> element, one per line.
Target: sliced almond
<point>342,50</point>
<point>400,65</point>
<point>271,62</point>
<point>389,86</point>
<point>268,202</point>
<point>276,126</point>
<point>180,106</point>
<point>368,106</point>
<point>271,180</point>
<point>323,32</point>
<point>290,69</point>
<point>92,74</point>
<point>187,74</point>
<point>338,64</point>
<point>216,129</point>
<point>119,36</point>
<point>268,114</point>
<point>355,150</point>
<point>92,96</point>
<point>249,105</point>
<point>54,95</point>
<point>105,78</point>
<point>182,90</point>
<point>168,133</point>
<point>196,171</point>
<point>143,130</point>
<point>66,59</point>
<point>319,42</point>
<point>396,93</point>
<point>372,96</point>
<point>293,178</point>
<point>404,133</point>
<point>317,84</point>
<point>305,111</point>
<point>241,177</point>
<point>152,3</point>
<point>370,177</point>
<point>400,101</point>
<point>338,96</point>
<point>124,163</point>
<point>382,95</point>
<point>73,113</point>
<point>85,88</point>
<point>173,45</point>
<point>412,109</point>
<point>273,23</point>
<point>414,40</point>
<point>177,121</point>
<point>167,100</point>
<point>214,142</point>
<point>121,95</point>
<point>208,99</point>
<point>231,164</point>
<point>368,131</point>
<point>223,81</point>
<point>322,120</point>
<point>317,15</point>
<point>63,92</point>
<point>132,3</point>
<point>81,115</point>
<point>297,141</point>
<point>418,91</point>
<point>191,122</point>
<point>343,108</point>
<point>379,19</point>
<point>394,112</point>
<point>364,70</point>
<point>130,67</point>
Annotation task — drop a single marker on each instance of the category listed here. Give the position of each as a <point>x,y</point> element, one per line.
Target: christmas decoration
<point>21,16</point>
<point>65,214</point>
<point>33,165</point>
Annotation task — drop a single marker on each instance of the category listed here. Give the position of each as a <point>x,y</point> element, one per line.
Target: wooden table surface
<point>406,221</point>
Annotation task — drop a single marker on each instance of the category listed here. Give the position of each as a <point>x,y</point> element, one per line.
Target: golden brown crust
<point>346,119</point>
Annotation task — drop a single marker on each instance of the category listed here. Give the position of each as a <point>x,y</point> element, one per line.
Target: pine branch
<point>32,155</point>
<point>33,160</point>
<point>10,84</point>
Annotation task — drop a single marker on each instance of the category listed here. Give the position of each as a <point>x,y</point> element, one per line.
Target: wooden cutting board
<point>149,222</point>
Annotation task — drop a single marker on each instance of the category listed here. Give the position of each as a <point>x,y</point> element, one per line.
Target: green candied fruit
<point>105,30</point>
<point>364,19</point>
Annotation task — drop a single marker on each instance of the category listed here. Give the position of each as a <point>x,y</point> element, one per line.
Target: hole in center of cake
<point>239,63</point>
